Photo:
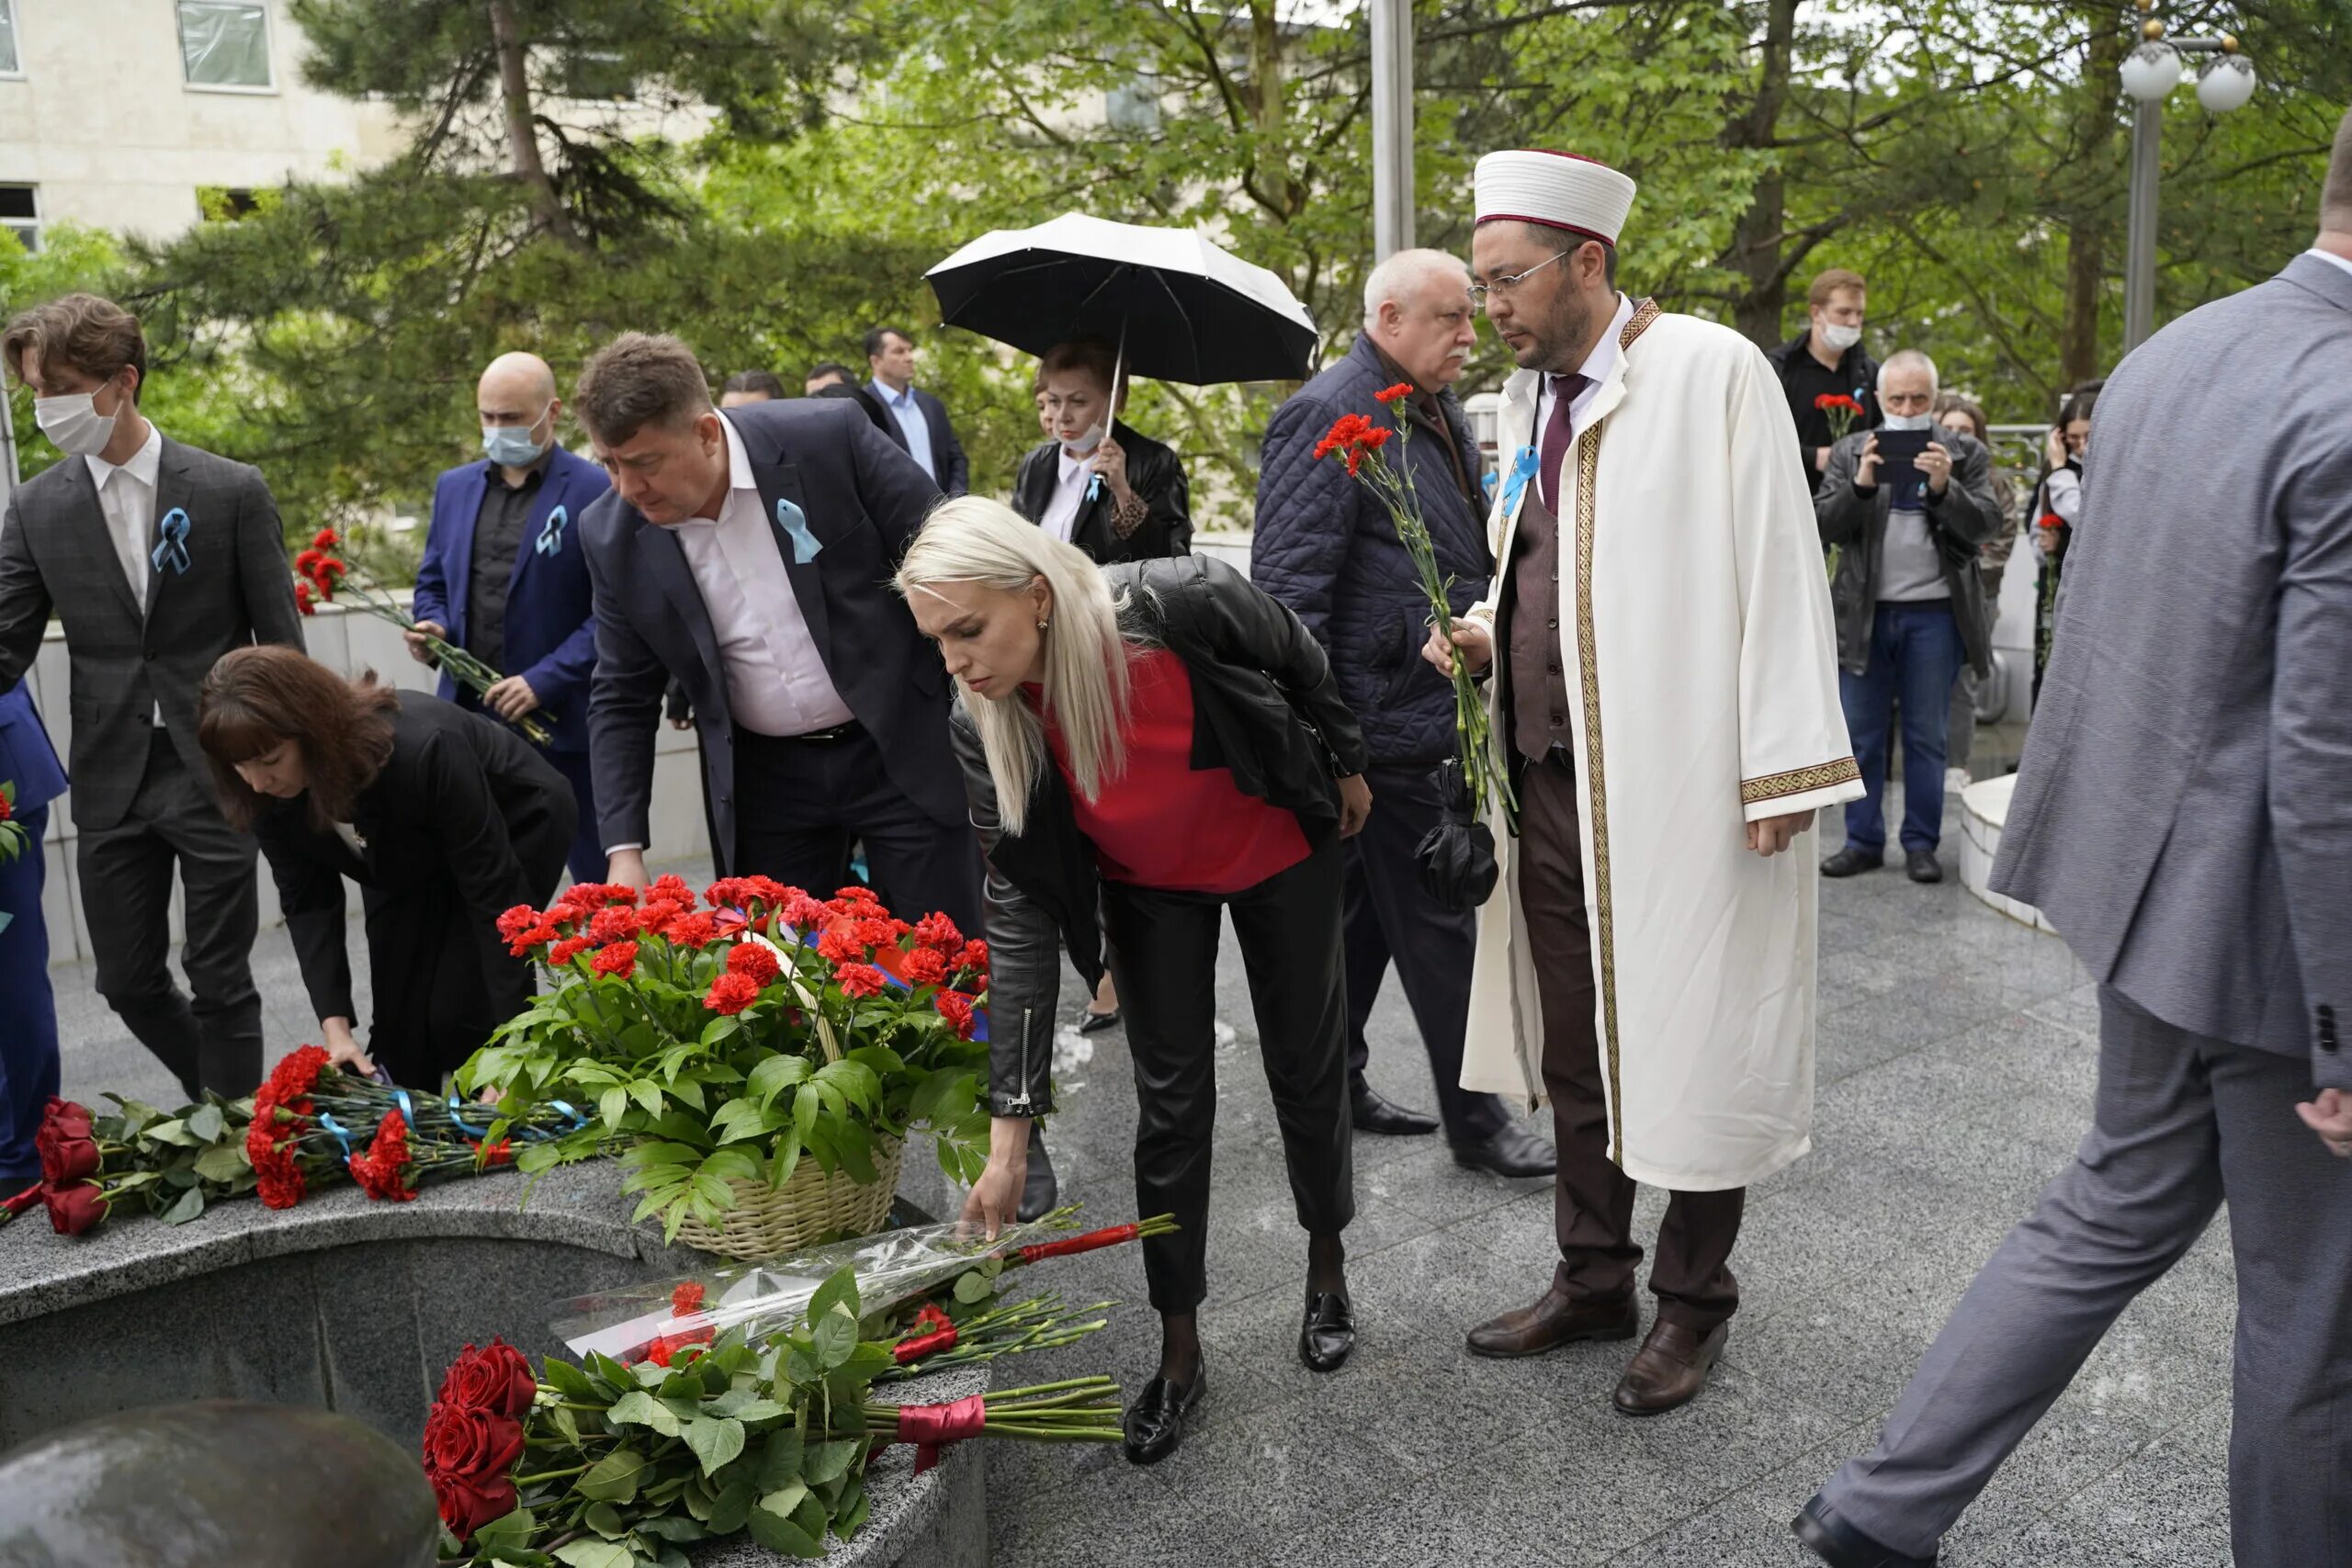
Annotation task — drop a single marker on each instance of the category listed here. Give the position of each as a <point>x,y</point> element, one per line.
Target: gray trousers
<point>2182,1123</point>
<point>173,822</point>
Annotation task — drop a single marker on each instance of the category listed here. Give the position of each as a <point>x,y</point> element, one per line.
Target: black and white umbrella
<point>1180,307</point>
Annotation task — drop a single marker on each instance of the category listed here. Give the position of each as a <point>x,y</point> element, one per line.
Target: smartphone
<point>1897,449</point>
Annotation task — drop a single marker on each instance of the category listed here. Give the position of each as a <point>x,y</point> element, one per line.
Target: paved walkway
<point>1956,1063</point>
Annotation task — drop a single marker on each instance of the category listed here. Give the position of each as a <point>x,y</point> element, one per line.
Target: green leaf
<point>567,1380</point>
<point>511,1530</point>
<point>733,1507</point>
<point>740,1118</point>
<point>605,1520</point>
<point>641,1409</point>
<point>839,1290</point>
<point>205,1122</point>
<point>714,1441</point>
<point>612,1105</point>
<point>648,1094</point>
<point>537,1158</point>
<point>718,1029</point>
<point>596,1554</point>
<point>974,1287</point>
<point>758,1410</point>
<point>805,1106</point>
<point>669,1527</point>
<point>778,1533</point>
<point>190,1204</point>
<point>612,1479</point>
<point>173,1131</point>
<point>222,1162</point>
<point>780,1460</point>
<point>829,1462</point>
<point>774,1076</point>
<point>833,1337</point>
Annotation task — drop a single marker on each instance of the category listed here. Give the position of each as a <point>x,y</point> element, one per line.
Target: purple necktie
<point>1557,429</point>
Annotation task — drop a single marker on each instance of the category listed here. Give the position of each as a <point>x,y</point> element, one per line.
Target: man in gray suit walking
<point>159,558</point>
<point>2184,815</point>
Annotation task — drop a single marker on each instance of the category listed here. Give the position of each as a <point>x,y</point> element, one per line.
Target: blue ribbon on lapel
<point>173,551</point>
<point>804,545</point>
<point>1522,468</point>
<point>551,532</point>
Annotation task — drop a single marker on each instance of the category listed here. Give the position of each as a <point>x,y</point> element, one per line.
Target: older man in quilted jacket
<point>1327,549</point>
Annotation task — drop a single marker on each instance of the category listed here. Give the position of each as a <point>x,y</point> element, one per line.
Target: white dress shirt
<point>911,424</point>
<point>1069,494</point>
<point>776,681</point>
<point>127,500</point>
<point>2330,258</point>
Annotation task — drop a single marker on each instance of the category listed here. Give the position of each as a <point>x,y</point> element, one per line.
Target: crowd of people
<point>1055,724</point>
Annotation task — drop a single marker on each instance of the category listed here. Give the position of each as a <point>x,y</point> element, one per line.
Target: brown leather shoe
<point>1670,1369</point>
<point>1557,1319</point>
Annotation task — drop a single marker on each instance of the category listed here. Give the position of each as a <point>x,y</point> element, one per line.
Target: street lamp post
<point>2150,73</point>
<point>1392,126</point>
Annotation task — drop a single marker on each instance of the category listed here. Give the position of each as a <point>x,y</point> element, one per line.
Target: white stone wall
<point>350,642</point>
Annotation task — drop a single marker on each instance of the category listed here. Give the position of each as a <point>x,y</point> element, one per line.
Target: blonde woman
<point>1159,740</point>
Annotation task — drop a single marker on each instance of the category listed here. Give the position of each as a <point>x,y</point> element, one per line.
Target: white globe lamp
<point>2153,69</point>
<point>2226,84</point>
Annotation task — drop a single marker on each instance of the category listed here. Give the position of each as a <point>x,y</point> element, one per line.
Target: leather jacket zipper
<point>1021,1102</point>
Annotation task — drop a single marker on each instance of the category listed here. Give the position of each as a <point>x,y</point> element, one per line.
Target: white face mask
<point>1086,443</point>
<point>1840,338</point>
<point>1908,422</point>
<point>73,424</point>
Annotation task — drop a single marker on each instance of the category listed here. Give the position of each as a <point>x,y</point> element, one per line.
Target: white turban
<point>1559,190</point>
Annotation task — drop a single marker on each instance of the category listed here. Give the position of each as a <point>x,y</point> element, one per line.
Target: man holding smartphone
<point>1906,505</point>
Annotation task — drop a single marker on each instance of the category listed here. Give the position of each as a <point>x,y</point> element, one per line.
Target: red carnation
<point>687,1298</point>
<point>859,898</point>
<point>326,539</point>
<point>618,960</point>
<point>307,561</point>
<point>840,946</point>
<point>383,1172</point>
<point>937,931</point>
<point>525,941</point>
<point>730,993</point>
<point>655,918</point>
<point>697,930</point>
<point>975,957</point>
<point>956,1009</point>
<point>1392,394</point>
<point>726,893</point>
<point>72,1210</point>
<point>617,923</point>
<point>881,932</point>
<point>497,1379</point>
<point>925,966</point>
<point>803,912</point>
<point>517,921</point>
<point>567,949</point>
<point>297,1074</point>
<point>860,980</point>
<point>499,1151</point>
<point>768,890</point>
<point>753,959</point>
<point>673,886</point>
<point>305,598</point>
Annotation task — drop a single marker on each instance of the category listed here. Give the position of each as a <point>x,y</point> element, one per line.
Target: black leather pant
<point>1163,953</point>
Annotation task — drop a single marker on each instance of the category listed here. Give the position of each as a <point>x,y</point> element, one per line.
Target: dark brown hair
<point>1828,281</point>
<point>767,383</point>
<point>256,697</point>
<point>80,333</point>
<point>1094,355</point>
<point>1978,425</point>
<point>639,378</point>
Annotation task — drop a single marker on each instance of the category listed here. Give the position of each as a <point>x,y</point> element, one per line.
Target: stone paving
<point>1956,1062</point>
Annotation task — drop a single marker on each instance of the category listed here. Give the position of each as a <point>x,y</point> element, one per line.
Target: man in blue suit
<point>503,577</point>
<point>28,1010</point>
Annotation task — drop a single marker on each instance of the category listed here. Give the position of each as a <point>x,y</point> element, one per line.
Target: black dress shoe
<point>1840,1545</point>
<point>1155,1422</point>
<point>1509,1151</point>
<point>1375,1114</point>
<point>1096,1022</point>
<point>1329,1333</point>
<point>1852,861</point>
<point>1921,865</point>
<point>1040,1192</point>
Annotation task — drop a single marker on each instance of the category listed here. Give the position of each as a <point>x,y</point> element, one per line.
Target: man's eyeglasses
<point>1503,286</point>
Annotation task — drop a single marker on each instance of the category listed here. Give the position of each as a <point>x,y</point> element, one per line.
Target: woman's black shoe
<point>1096,1022</point>
<point>1155,1422</point>
<point>1329,1333</point>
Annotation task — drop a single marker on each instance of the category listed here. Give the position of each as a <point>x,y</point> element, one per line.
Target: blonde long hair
<point>975,540</point>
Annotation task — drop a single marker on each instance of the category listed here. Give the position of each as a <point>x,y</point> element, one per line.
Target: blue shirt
<point>904,409</point>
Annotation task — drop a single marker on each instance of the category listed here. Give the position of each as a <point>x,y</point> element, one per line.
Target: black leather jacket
<point>1264,705</point>
<point>1154,473</point>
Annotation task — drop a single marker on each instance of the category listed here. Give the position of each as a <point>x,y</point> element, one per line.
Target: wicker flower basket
<point>813,1205</point>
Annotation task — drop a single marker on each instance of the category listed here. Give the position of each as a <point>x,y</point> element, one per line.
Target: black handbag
<point>1457,856</point>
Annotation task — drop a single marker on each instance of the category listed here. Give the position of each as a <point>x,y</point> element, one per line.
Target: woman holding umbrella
<point>1097,484</point>
<point>1159,740</point>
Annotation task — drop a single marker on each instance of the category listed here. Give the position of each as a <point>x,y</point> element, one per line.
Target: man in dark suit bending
<point>748,554</point>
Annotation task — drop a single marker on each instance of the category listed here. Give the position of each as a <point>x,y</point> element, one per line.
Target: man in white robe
<point>1665,687</point>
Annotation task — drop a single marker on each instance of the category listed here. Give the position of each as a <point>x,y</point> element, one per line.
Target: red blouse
<point>1163,823</point>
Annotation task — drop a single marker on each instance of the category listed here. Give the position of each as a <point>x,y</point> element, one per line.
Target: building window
<point>11,64</point>
<point>20,212</point>
<point>220,204</point>
<point>225,44</point>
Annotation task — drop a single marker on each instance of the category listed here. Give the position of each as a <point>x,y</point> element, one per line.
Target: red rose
<point>614,924</point>
<point>754,961</point>
<point>859,980</point>
<point>697,930</point>
<point>1392,394</point>
<point>497,1379</point>
<point>730,993</point>
<point>72,1210</point>
<point>71,1115</point>
<point>618,960</point>
<point>956,1009</point>
<point>924,966</point>
<point>65,1160</point>
<point>469,1458</point>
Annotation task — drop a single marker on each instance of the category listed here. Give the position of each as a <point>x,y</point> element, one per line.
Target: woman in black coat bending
<point>1098,484</point>
<point>1161,740</point>
<point>446,818</point>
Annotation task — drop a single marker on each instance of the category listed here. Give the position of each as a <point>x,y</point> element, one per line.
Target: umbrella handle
<point>1094,485</point>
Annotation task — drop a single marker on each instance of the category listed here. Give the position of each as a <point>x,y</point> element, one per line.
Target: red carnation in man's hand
<point>1392,394</point>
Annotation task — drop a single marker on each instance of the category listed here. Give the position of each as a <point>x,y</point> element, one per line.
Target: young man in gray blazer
<point>2182,817</point>
<point>158,558</point>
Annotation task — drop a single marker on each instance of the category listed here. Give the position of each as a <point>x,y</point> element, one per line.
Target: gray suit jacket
<point>2184,813</point>
<point>238,589</point>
